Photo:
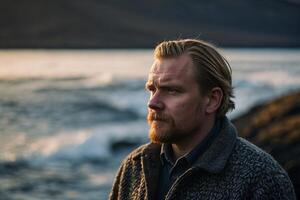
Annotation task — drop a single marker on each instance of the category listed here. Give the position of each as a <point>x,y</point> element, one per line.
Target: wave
<point>103,81</point>
<point>88,86</point>
<point>85,145</point>
<point>81,106</point>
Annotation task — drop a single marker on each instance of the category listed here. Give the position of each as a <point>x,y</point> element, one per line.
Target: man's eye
<point>171,90</point>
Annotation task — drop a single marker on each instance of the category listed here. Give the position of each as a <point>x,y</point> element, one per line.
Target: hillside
<point>140,24</point>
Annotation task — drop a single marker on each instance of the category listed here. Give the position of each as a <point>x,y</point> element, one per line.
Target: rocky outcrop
<point>275,127</point>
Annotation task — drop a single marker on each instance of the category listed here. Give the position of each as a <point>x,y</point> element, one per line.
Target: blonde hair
<point>212,69</point>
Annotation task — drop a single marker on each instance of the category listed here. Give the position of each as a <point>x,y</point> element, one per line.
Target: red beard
<point>161,127</point>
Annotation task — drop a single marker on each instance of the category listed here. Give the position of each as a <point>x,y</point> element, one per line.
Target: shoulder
<point>250,162</point>
<point>252,156</point>
<point>268,178</point>
<point>261,171</point>
<point>253,163</point>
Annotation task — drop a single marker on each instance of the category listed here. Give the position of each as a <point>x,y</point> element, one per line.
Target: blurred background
<point>72,75</point>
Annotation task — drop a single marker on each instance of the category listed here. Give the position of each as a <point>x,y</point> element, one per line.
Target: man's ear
<point>214,100</point>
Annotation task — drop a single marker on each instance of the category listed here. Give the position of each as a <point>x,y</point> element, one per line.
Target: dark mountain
<point>135,23</point>
<point>275,127</point>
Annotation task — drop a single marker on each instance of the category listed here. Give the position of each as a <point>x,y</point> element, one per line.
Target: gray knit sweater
<point>231,168</point>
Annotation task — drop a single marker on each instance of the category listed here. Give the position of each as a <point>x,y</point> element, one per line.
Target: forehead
<point>176,68</point>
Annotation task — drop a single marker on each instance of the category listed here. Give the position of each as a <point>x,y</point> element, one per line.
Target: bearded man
<point>194,152</point>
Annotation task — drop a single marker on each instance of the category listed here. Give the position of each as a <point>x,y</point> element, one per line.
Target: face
<point>176,108</point>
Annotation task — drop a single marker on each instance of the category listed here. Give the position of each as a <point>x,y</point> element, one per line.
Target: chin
<point>157,136</point>
<point>161,135</point>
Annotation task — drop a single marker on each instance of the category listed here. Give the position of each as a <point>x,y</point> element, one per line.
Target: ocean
<point>68,117</point>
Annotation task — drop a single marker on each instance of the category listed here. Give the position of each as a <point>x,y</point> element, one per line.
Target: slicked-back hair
<point>212,69</point>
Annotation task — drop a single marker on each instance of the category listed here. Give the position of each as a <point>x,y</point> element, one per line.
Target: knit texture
<point>232,168</point>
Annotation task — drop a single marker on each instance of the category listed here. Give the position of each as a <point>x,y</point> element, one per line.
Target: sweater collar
<point>215,157</point>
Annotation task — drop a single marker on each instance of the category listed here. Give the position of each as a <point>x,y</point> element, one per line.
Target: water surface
<point>63,111</point>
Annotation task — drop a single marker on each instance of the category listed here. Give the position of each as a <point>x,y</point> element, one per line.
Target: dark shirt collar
<point>166,154</point>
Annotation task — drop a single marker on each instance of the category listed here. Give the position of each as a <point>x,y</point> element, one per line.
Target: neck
<point>188,144</point>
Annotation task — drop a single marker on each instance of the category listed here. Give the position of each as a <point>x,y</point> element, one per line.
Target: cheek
<point>192,110</point>
<point>186,110</point>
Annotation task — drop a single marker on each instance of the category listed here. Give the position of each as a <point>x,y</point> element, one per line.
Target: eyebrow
<point>164,80</point>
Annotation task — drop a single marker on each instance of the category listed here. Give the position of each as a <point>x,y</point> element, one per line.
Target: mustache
<point>157,116</point>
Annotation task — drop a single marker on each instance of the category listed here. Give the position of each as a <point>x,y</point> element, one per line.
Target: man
<point>195,152</point>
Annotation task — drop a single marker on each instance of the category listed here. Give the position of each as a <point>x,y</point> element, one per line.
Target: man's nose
<point>155,102</point>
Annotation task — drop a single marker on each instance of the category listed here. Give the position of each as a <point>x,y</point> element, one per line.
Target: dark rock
<point>275,127</point>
